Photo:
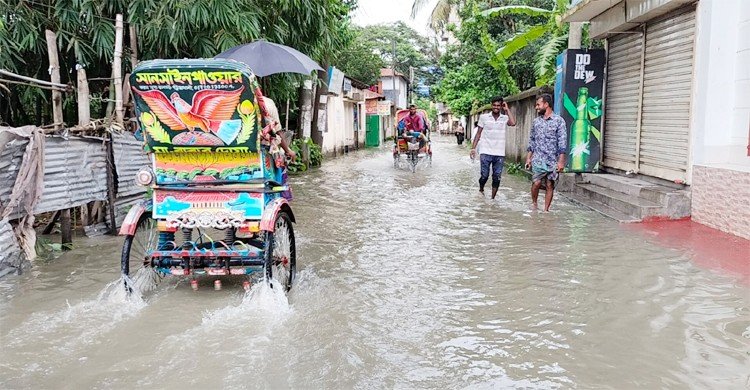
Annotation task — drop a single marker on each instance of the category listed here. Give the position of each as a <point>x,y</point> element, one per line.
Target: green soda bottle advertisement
<point>579,85</point>
<point>579,134</point>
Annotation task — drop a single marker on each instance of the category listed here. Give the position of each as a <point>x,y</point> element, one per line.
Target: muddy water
<point>406,281</point>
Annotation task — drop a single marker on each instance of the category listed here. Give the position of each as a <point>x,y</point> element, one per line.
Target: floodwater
<point>405,281</point>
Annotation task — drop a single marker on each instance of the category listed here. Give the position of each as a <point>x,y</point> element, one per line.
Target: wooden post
<point>286,126</point>
<point>117,70</point>
<point>66,230</point>
<point>54,72</point>
<point>127,94</point>
<point>112,196</point>
<point>133,47</point>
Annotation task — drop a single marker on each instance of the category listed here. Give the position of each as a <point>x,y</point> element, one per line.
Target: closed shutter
<point>621,102</point>
<point>667,80</point>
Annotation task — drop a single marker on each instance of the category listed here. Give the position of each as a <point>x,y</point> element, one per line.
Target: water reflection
<point>407,281</point>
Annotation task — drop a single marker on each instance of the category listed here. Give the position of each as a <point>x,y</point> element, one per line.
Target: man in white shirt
<point>491,130</point>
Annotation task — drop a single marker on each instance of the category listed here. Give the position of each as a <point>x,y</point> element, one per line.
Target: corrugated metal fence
<point>75,173</point>
<point>129,157</point>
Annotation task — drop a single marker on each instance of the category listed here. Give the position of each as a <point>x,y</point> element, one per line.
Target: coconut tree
<point>441,12</point>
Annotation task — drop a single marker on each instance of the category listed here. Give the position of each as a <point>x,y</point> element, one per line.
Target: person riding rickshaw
<point>413,138</point>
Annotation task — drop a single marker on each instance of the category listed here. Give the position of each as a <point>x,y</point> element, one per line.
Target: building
<point>394,88</point>
<point>345,113</point>
<point>677,98</point>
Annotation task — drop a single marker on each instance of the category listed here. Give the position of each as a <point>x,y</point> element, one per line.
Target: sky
<point>387,11</point>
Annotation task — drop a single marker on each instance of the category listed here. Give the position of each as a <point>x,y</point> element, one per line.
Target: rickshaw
<point>412,149</point>
<point>218,199</point>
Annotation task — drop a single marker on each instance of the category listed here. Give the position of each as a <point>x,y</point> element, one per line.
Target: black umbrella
<point>266,58</point>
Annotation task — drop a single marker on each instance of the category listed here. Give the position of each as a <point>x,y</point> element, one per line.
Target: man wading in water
<point>547,148</point>
<point>492,126</point>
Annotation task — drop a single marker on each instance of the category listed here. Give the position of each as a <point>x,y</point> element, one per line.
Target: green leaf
<point>519,41</point>
<point>515,10</point>
<point>545,62</point>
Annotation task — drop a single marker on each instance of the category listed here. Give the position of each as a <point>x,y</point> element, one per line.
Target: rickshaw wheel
<point>135,247</point>
<point>280,253</point>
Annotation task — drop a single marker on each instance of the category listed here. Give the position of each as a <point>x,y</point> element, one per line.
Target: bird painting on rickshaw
<point>218,198</point>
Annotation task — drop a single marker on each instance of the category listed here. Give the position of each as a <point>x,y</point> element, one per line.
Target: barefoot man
<point>491,130</point>
<point>547,150</point>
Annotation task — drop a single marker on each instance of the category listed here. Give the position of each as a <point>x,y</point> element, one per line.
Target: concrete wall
<point>721,104</point>
<point>401,86</point>
<point>721,117</point>
<point>334,138</point>
<point>340,117</point>
<point>517,137</point>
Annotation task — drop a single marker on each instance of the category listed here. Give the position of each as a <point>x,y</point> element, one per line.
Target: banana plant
<point>553,28</point>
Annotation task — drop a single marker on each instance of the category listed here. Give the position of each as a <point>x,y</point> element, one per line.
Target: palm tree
<point>440,15</point>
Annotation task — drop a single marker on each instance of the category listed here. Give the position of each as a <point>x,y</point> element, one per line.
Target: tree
<point>165,29</point>
<point>533,24</point>
<point>470,80</point>
<point>440,14</point>
<point>412,49</point>
<point>361,60</point>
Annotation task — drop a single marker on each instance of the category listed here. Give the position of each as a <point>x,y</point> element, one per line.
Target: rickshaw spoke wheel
<point>280,254</point>
<point>136,248</point>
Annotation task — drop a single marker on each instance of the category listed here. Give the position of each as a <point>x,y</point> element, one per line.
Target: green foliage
<point>427,105</point>
<point>316,155</point>
<point>470,80</point>
<point>372,49</point>
<point>514,168</point>
<point>361,60</point>
<point>515,10</point>
<point>529,24</point>
<point>412,49</point>
<point>165,29</point>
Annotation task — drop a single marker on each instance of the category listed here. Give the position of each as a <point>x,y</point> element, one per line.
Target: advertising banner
<point>578,99</point>
<point>384,108</point>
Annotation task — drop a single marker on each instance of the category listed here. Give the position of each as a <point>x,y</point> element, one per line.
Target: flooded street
<point>404,281</point>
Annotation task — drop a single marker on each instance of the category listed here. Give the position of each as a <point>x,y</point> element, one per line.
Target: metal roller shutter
<point>667,85</point>
<point>622,98</point>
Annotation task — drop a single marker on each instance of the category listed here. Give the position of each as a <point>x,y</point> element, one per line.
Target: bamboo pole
<point>84,118</point>
<point>66,231</point>
<point>286,120</point>
<point>133,46</point>
<point>33,80</point>
<point>84,106</point>
<point>54,71</point>
<point>117,70</point>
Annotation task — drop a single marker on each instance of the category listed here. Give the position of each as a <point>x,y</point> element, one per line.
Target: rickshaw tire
<point>127,246</point>
<point>268,247</point>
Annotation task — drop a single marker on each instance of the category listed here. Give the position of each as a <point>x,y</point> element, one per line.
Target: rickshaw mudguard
<point>134,215</point>
<point>271,211</point>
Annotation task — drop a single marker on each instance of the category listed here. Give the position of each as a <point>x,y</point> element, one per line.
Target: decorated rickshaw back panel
<point>200,121</point>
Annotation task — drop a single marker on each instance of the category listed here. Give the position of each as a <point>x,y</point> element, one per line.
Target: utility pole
<point>395,92</point>
<point>411,84</point>
<point>393,70</point>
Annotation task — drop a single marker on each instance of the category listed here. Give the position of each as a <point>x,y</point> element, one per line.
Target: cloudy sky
<point>387,11</point>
